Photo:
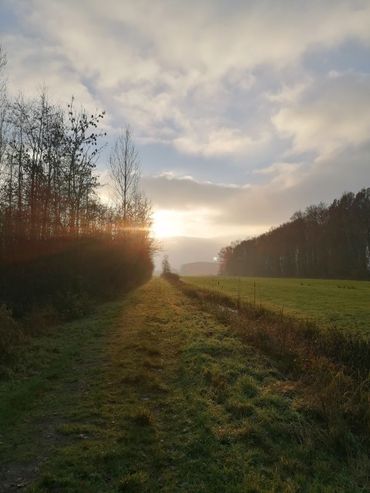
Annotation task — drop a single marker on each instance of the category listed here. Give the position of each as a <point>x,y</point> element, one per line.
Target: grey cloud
<point>297,187</point>
<point>291,188</point>
<point>185,193</point>
<point>228,206</point>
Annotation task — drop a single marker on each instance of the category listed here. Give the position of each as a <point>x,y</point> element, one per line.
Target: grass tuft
<point>134,482</point>
<point>143,417</point>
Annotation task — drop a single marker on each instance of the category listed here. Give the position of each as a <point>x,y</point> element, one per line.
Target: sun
<point>167,223</point>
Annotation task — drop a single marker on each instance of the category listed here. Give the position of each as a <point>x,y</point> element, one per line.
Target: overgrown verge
<point>330,367</point>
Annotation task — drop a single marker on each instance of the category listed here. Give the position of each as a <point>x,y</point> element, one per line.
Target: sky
<point>243,112</point>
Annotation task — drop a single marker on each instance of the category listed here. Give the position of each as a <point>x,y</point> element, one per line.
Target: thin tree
<point>3,61</point>
<point>125,172</point>
<point>3,105</point>
<point>166,268</point>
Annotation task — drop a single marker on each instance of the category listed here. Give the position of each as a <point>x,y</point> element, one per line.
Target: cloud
<point>220,141</point>
<point>219,208</point>
<point>330,115</point>
<point>277,169</point>
<point>243,210</point>
<point>172,68</point>
<point>170,191</point>
<point>296,186</point>
<point>213,88</point>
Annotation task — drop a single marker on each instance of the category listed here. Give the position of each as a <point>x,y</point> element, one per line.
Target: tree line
<point>58,242</point>
<point>323,241</point>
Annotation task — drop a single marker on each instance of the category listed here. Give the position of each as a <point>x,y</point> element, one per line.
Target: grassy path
<point>154,395</point>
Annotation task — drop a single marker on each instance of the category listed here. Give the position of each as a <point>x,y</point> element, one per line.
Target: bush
<point>73,304</point>
<point>10,333</point>
<point>80,272</point>
<point>171,276</point>
<point>39,318</point>
<point>52,281</point>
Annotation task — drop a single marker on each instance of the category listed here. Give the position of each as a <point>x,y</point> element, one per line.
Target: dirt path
<point>154,395</point>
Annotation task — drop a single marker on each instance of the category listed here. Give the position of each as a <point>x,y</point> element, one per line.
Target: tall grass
<point>330,367</point>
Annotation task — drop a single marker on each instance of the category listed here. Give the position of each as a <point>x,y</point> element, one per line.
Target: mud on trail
<point>153,394</point>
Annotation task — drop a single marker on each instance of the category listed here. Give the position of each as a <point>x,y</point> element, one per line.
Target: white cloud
<point>289,93</point>
<point>277,168</point>
<point>331,115</point>
<point>172,68</point>
<point>217,141</point>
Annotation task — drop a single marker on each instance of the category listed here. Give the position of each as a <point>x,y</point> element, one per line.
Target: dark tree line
<point>323,241</point>
<point>57,239</point>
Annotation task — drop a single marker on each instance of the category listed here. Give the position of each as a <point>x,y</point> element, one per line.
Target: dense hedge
<point>83,271</point>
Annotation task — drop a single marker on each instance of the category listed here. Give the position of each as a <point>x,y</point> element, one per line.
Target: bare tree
<point>2,65</point>
<point>125,173</point>
<point>166,268</point>
<point>81,151</point>
<point>3,106</point>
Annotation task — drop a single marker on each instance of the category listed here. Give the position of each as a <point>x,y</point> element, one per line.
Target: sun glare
<point>167,223</point>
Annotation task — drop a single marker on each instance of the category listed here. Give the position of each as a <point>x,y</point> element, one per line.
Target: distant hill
<point>199,269</point>
<point>183,250</point>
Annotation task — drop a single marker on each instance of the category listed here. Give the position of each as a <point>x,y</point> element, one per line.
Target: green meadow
<point>332,303</point>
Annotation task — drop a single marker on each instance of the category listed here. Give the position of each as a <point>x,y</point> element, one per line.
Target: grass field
<point>343,304</point>
<point>154,394</point>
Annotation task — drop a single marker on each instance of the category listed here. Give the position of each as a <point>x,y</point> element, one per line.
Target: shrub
<point>39,318</point>
<point>171,276</point>
<point>10,333</point>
